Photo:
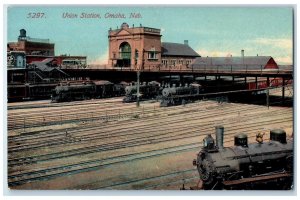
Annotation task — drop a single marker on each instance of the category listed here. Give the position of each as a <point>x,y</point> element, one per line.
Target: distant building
<point>141,48</point>
<point>31,46</point>
<point>68,61</point>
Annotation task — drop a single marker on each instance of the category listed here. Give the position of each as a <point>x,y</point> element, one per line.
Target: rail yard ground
<point>106,144</point>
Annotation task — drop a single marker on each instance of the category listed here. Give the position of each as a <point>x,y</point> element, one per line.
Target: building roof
<point>177,49</point>
<point>246,60</point>
<point>45,65</point>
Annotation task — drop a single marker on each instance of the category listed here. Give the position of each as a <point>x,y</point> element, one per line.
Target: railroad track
<point>164,111</point>
<point>189,175</point>
<point>52,117</point>
<point>136,132</point>
<point>149,112</point>
<point>110,116</point>
<point>157,127</point>
<point>47,103</point>
<point>58,138</point>
<point>99,134</point>
<point>49,173</point>
<point>144,140</point>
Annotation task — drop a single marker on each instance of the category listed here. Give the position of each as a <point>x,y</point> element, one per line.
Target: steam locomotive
<point>146,91</point>
<point>71,91</point>
<point>262,165</point>
<point>179,95</point>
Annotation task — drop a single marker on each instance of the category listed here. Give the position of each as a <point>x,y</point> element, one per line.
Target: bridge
<point>117,74</point>
<point>93,72</point>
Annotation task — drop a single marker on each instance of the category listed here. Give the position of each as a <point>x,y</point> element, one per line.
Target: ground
<point>105,144</point>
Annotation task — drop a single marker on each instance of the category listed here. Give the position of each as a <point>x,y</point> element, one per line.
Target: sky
<point>211,31</point>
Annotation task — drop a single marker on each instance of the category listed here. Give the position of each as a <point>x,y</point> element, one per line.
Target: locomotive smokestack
<point>219,136</point>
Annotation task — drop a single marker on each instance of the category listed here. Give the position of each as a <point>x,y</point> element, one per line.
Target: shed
<point>266,62</point>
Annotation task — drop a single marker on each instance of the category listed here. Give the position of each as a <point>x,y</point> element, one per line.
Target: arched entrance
<point>124,55</point>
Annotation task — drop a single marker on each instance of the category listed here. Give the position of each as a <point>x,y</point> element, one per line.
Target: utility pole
<point>138,89</point>
<point>268,103</point>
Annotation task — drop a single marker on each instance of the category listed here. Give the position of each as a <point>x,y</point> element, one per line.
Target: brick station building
<point>141,48</point>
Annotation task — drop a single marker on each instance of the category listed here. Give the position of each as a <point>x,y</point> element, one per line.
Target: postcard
<point>150,97</point>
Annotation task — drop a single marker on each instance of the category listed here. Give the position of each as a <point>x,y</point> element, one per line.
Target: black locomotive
<point>179,95</point>
<point>147,91</point>
<point>81,90</point>
<point>261,165</point>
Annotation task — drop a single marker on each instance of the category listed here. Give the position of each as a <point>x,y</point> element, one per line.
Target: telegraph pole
<point>138,89</point>
<point>268,103</point>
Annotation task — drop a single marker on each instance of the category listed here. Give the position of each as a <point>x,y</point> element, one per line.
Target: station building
<point>141,48</point>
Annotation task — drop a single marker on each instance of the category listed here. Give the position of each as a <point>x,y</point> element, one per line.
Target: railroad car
<point>16,92</point>
<point>21,92</point>
<point>147,91</point>
<point>261,165</point>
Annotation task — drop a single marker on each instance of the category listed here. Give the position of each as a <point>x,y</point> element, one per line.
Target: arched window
<point>124,59</point>
<point>125,51</point>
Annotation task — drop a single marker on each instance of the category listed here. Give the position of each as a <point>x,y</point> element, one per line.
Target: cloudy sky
<point>211,31</point>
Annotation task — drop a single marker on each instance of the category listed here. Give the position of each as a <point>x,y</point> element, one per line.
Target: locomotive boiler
<point>261,165</point>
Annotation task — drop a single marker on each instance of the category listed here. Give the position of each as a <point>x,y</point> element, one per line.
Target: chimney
<point>219,136</point>
<point>186,42</point>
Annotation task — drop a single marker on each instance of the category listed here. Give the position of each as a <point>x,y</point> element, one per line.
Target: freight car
<point>71,91</point>
<point>147,91</point>
<point>179,95</point>
<point>261,165</point>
